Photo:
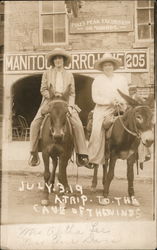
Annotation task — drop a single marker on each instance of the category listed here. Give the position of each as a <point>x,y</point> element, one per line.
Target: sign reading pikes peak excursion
<point>102,23</point>
<point>132,61</point>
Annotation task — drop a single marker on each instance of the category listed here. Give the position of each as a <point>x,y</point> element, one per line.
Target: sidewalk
<point>16,154</point>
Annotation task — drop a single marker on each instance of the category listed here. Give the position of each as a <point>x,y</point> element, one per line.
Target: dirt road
<point>22,195</point>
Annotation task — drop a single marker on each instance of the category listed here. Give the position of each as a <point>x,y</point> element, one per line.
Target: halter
<point>137,133</point>
<point>67,115</point>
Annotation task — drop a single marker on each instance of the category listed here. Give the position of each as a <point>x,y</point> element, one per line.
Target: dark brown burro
<point>131,128</point>
<point>56,144</point>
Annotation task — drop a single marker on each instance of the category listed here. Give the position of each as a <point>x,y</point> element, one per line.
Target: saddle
<point>107,125</point>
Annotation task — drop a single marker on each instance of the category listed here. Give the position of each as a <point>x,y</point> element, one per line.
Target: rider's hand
<point>70,108</point>
<point>116,102</point>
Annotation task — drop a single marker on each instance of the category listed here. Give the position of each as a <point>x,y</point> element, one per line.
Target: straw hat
<point>107,58</point>
<point>58,52</point>
<point>132,86</point>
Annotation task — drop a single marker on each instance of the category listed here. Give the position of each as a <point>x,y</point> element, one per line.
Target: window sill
<point>143,44</point>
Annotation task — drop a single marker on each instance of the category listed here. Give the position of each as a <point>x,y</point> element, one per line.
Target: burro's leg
<point>62,175</point>
<point>110,175</point>
<point>95,176</point>
<point>52,177</point>
<point>48,186</point>
<point>130,178</point>
<point>104,173</point>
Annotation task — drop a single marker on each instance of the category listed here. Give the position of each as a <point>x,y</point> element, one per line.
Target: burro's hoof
<point>63,205</point>
<point>67,190</point>
<point>134,201</point>
<point>104,201</point>
<point>44,202</point>
<point>93,189</point>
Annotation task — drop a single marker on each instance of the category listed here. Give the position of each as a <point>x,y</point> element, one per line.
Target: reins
<point>59,101</point>
<point>136,134</point>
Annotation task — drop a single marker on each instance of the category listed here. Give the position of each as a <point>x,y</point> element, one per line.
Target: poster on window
<point>77,125</point>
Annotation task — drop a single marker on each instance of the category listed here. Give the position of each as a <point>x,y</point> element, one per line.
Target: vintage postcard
<point>78,124</point>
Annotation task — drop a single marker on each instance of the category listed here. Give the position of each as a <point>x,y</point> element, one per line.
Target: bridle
<point>137,133</point>
<point>53,102</point>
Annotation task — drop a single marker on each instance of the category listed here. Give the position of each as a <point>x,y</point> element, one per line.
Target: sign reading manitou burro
<point>132,61</point>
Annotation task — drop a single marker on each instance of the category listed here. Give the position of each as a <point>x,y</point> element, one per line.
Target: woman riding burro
<point>106,98</point>
<point>55,81</point>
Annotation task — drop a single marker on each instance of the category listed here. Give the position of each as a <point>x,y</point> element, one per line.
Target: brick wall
<point>21,25</point>
<point>22,31</point>
<point>107,41</point>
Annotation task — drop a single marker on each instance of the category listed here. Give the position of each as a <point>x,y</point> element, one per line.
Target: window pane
<point>152,31</point>
<point>143,32</point>
<point>59,6</point>
<point>143,16</point>
<point>47,6</point>
<point>152,15</point>
<point>48,29</point>
<point>143,3</point>
<point>59,23</point>
<point>56,35</point>
<point>151,3</point>
<point>1,66</point>
<point>1,17</point>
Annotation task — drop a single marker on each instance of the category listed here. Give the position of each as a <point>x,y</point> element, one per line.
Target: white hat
<point>107,58</point>
<point>132,86</point>
<point>58,52</point>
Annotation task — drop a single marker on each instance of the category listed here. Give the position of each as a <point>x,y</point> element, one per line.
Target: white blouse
<point>59,86</point>
<point>104,89</point>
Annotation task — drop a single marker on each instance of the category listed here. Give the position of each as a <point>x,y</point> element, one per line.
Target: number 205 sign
<point>131,61</point>
<point>136,61</point>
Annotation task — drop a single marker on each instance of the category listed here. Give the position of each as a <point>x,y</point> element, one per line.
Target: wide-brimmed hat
<point>107,58</point>
<point>132,86</point>
<point>58,52</point>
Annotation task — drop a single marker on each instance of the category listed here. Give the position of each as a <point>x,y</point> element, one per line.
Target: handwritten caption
<point>70,233</point>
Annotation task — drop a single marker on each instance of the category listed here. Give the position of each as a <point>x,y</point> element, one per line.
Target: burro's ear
<point>66,93</point>
<point>128,99</point>
<point>150,101</point>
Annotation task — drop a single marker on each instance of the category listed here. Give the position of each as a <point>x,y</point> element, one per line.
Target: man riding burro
<point>55,81</point>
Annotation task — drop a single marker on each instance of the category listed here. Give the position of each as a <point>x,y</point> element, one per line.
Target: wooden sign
<point>101,24</point>
<point>82,61</point>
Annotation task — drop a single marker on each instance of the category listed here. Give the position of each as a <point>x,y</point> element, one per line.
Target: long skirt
<point>96,146</point>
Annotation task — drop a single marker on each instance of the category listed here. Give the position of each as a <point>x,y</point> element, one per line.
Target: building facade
<point>1,67</point>
<point>33,28</point>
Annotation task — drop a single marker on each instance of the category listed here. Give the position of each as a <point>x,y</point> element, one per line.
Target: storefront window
<point>53,22</point>
<point>1,18</point>
<point>145,20</point>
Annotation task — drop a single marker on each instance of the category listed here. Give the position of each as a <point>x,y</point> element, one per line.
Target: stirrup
<point>91,165</point>
<point>35,163</point>
<point>81,161</point>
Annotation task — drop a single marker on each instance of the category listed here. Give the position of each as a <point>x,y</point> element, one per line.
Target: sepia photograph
<point>78,124</point>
